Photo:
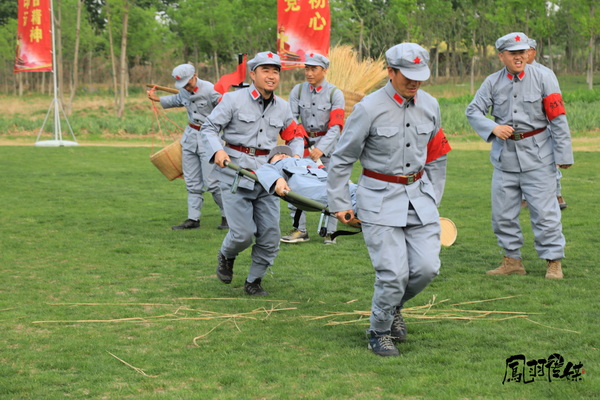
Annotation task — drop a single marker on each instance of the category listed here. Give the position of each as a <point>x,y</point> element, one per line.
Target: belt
<point>519,136</point>
<point>316,134</point>
<point>196,127</point>
<point>403,179</point>
<point>249,150</point>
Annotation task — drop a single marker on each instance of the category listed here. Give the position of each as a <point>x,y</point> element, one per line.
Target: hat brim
<point>421,74</point>
<point>517,47</point>
<point>181,84</point>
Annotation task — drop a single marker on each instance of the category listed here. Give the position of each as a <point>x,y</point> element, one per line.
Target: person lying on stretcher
<point>300,175</point>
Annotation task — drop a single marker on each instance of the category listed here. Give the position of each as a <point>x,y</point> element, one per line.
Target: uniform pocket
<point>247,117</point>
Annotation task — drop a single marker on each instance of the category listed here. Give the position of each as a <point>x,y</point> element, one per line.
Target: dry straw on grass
<point>355,78</point>
<point>432,312</point>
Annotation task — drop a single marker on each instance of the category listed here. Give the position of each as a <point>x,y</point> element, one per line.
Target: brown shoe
<point>554,269</point>
<point>509,266</point>
<point>561,202</point>
<point>524,204</point>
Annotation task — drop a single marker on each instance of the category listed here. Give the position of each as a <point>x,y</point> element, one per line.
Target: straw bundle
<point>355,78</point>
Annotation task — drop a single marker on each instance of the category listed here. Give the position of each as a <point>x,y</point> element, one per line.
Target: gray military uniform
<point>251,211</point>
<point>312,106</point>
<point>197,171</point>
<point>389,135</point>
<point>523,167</point>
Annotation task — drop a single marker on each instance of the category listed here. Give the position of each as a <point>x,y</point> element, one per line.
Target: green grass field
<point>100,299</point>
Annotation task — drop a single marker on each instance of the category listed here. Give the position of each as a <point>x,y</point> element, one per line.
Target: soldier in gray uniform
<point>532,52</point>
<point>390,132</point>
<point>199,98</point>
<point>319,106</point>
<point>530,136</point>
<point>250,119</point>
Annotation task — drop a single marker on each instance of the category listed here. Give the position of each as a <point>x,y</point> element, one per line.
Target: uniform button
<point>515,96</point>
<point>313,115</point>
<point>407,144</point>
<point>407,125</point>
<point>408,164</point>
<point>260,130</point>
<point>314,104</point>
<point>260,145</point>
<point>515,111</point>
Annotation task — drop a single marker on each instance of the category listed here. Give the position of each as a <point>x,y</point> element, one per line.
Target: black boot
<point>187,224</point>
<point>225,269</point>
<point>224,224</point>
<point>254,288</point>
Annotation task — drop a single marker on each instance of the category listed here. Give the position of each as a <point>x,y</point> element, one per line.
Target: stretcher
<point>301,202</point>
<point>448,228</point>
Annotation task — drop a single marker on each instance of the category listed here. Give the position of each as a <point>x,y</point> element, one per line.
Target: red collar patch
<point>196,89</point>
<point>398,98</point>
<point>520,76</point>
<point>254,94</point>
<point>316,89</point>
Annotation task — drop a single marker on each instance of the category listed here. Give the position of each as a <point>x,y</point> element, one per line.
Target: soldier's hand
<point>220,157</point>
<point>152,96</point>
<point>281,187</point>
<point>503,131</point>
<point>315,154</point>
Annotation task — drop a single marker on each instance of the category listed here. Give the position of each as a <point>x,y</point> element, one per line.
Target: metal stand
<point>54,105</point>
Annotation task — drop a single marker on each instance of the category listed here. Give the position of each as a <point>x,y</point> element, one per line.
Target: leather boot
<point>509,266</point>
<point>554,270</point>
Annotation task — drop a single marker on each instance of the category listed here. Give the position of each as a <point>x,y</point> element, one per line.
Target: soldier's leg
<point>506,206</point>
<point>544,213</point>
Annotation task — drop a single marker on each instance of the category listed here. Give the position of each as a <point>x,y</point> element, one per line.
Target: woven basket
<point>168,160</point>
<point>351,98</point>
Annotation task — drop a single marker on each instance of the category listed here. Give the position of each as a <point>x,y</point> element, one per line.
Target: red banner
<point>303,27</point>
<point>34,36</point>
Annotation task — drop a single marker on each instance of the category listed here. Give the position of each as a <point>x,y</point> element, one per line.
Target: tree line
<point>116,43</point>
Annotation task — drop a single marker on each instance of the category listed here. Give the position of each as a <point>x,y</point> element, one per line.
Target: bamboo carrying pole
<point>163,88</point>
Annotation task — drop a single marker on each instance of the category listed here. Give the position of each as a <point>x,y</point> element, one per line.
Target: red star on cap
<point>311,55</point>
<point>270,55</point>
<point>518,38</point>
<point>417,60</point>
<point>178,77</point>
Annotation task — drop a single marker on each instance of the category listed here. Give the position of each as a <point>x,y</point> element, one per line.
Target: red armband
<point>292,131</point>
<point>336,117</point>
<point>554,106</point>
<point>437,147</point>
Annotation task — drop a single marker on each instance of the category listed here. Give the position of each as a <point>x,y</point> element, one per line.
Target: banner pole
<point>58,140</point>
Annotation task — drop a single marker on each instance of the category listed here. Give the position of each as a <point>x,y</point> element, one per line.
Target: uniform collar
<point>255,94</point>
<point>512,77</point>
<point>401,101</point>
<point>317,89</point>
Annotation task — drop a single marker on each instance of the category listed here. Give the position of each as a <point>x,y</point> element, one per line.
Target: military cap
<point>513,42</point>
<point>317,60</point>
<point>182,74</point>
<point>532,43</point>
<point>264,58</point>
<point>281,149</point>
<point>411,59</point>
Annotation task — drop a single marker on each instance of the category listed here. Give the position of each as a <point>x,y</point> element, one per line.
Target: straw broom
<point>353,77</point>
